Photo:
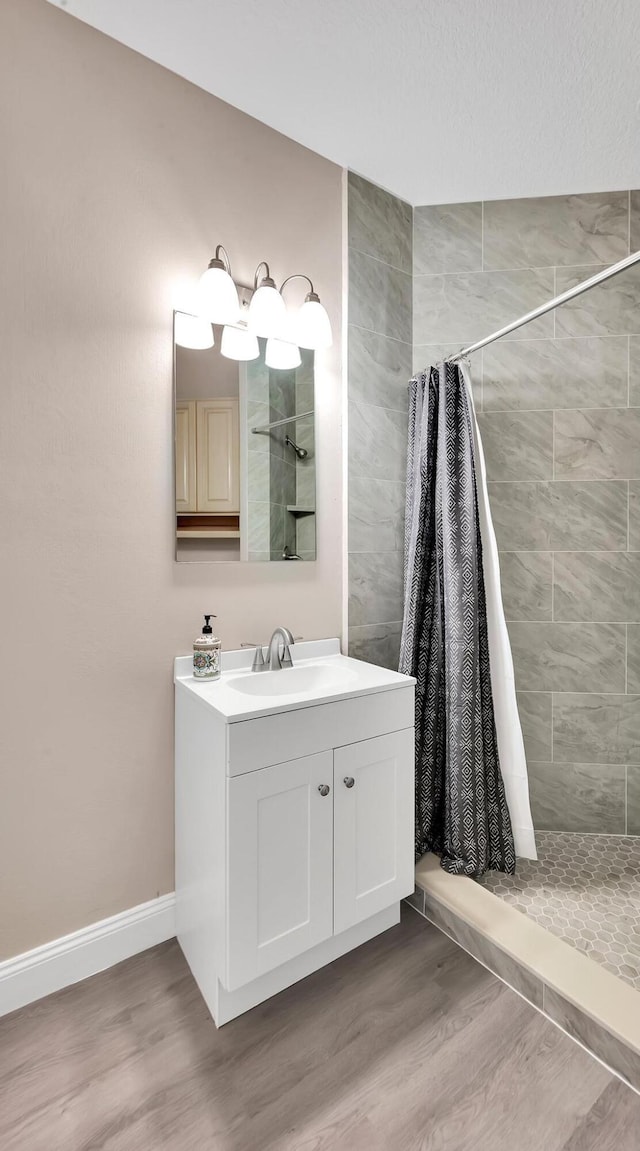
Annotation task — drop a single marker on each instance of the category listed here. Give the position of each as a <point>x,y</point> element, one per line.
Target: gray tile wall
<point>559,408</point>
<point>379,358</point>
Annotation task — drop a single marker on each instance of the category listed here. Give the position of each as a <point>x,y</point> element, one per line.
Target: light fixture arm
<point>312,295</point>
<point>217,262</point>
<point>266,281</point>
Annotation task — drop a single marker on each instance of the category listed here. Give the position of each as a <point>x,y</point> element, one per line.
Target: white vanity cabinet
<point>283,860</point>
<point>373,826</point>
<point>280,861</point>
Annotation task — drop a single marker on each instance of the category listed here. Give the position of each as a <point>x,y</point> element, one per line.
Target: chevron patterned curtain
<point>461,809</point>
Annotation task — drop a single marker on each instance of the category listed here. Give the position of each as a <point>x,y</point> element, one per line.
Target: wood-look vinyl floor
<point>406,1044</point>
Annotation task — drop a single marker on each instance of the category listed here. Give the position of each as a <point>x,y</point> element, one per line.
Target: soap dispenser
<point>206,652</point>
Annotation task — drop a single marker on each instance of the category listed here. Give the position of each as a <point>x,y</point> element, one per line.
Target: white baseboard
<point>67,960</point>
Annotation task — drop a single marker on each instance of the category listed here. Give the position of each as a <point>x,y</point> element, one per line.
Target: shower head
<point>301,453</point>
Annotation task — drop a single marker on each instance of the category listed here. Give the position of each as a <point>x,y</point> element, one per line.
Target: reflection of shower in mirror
<point>301,453</point>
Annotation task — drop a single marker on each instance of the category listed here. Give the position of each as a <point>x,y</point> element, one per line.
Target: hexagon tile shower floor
<point>586,889</point>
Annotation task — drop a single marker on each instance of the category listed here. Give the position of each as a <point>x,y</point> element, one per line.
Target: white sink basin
<point>319,674</point>
<point>294,680</point>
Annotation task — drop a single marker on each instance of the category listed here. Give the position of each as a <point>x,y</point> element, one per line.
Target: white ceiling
<point>437,100</point>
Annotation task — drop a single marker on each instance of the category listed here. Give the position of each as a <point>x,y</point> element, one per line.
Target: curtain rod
<point>279,423</point>
<point>570,294</point>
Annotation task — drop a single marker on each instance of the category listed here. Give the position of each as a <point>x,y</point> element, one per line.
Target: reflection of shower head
<point>301,453</point>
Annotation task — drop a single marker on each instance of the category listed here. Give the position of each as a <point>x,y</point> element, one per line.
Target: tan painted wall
<point>117,180</point>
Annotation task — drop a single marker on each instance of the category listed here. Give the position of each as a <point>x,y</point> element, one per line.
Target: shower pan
<point>585,889</point>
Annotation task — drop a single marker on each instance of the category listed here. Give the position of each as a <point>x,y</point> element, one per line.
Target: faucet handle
<point>259,663</point>
<point>286,660</point>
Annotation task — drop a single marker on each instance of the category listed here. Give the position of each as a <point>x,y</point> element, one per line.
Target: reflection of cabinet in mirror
<point>186,499</point>
<point>207,468</point>
<point>218,456</point>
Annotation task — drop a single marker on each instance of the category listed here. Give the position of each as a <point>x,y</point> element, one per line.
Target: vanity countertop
<point>320,674</point>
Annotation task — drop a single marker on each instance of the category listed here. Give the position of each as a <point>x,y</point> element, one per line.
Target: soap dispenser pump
<point>206,652</point>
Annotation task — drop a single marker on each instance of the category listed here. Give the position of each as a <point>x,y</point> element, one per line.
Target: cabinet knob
<point>324,788</point>
<point>349,781</point>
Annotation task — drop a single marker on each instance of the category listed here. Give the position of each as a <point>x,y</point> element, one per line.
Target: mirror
<point>245,484</point>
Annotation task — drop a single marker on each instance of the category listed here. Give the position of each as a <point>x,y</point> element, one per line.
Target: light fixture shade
<point>280,354</point>
<point>192,331</point>
<point>267,312</point>
<point>218,297</point>
<point>238,343</point>
<point>312,326</point>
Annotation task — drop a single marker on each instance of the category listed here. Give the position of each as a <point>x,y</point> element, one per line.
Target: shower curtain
<point>472,798</point>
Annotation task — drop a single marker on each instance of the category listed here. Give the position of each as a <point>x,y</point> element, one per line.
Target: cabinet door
<point>218,436</point>
<point>185,456</point>
<point>373,826</point>
<point>279,865</point>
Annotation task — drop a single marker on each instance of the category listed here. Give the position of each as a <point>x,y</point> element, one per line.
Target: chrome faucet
<point>274,659</point>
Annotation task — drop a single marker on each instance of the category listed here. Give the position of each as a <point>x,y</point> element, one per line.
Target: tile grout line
<point>551,691</point>
<point>386,336</point>
<point>377,480</point>
<point>482,268</point>
<point>552,730</point>
<point>482,381</point>
<point>571,552</point>
<point>537,339</point>
<point>568,552</point>
<point>533,411</point>
<point>574,480</point>
<point>379,260</point>
<point>523,269</point>
<point>379,407</point>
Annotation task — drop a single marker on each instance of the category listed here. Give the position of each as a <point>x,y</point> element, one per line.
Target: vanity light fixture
<point>218,295</point>
<point>311,325</point>
<point>267,311</point>
<point>282,354</point>
<point>193,331</point>
<point>238,343</point>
